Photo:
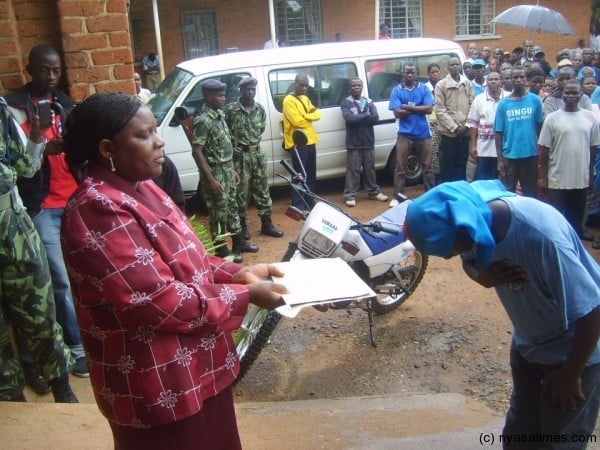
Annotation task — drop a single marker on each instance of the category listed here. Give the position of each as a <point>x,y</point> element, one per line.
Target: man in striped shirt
<point>481,124</point>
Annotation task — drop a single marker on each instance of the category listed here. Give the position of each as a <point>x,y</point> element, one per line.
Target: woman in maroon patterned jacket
<point>155,311</point>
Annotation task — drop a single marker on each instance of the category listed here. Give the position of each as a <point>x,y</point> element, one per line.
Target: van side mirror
<point>182,113</point>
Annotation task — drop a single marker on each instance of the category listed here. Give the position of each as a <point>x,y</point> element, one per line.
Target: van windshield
<point>167,93</point>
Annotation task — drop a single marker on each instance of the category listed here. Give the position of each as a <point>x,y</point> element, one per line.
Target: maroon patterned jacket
<point>155,311</point>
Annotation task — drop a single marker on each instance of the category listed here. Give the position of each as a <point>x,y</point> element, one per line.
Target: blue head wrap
<point>433,219</point>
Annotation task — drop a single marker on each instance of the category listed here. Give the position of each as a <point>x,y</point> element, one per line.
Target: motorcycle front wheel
<point>256,329</point>
<point>395,286</point>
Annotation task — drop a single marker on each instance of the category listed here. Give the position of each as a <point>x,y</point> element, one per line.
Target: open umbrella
<point>535,17</point>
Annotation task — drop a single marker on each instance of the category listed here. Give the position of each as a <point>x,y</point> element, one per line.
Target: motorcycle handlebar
<point>295,175</point>
<point>385,228</point>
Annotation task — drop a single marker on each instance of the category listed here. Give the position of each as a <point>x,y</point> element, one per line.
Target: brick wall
<point>509,37</point>
<point>24,24</point>
<point>91,35</point>
<point>245,24</point>
<point>97,46</point>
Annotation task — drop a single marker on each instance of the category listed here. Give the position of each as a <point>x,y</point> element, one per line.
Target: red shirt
<point>62,182</point>
<point>155,311</point>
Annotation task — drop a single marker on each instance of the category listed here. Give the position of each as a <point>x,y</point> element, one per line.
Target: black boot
<point>61,389</point>
<point>245,231</point>
<point>268,229</point>
<point>36,382</point>
<point>15,395</point>
<point>223,252</point>
<point>240,245</point>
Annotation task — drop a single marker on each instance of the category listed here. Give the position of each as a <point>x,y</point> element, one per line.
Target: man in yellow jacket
<point>299,112</point>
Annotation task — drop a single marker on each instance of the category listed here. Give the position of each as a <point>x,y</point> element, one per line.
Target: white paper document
<point>322,280</point>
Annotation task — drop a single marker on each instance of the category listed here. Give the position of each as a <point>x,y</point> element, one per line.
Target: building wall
<point>92,37</point>
<point>246,24</point>
<point>510,37</point>
<point>24,24</point>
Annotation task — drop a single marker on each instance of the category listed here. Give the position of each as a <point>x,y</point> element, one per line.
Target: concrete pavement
<point>388,422</point>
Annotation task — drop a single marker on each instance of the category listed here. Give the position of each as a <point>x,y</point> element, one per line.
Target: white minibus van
<point>329,68</point>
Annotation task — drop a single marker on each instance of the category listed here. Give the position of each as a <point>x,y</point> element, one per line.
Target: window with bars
<point>298,22</point>
<point>199,33</point>
<point>473,17</point>
<point>403,17</point>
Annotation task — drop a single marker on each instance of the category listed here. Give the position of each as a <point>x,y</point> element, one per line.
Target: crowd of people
<point>96,256</point>
<point>530,128</point>
<point>493,118</point>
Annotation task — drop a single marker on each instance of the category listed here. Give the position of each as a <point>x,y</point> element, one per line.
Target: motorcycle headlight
<point>318,242</point>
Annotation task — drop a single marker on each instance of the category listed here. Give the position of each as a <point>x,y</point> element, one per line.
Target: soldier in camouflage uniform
<point>246,120</point>
<point>26,299</point>
<point>213,152</point>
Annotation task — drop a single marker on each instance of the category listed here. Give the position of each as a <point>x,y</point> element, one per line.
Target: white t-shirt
<point>481,116</point>
<point>569,136</point>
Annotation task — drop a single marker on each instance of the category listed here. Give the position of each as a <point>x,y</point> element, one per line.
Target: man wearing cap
<point>300,113</point>
<point>246,119</point>
<point>564,54</point>
<point>540,57</point>
<point>213,152</point>
<point>453,98</point>
<point>549,286</point>
<point>478,80</point>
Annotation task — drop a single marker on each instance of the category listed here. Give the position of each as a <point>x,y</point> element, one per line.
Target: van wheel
<point>414,170</point>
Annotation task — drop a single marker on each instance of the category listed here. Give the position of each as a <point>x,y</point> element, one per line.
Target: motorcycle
<point>377,251</point>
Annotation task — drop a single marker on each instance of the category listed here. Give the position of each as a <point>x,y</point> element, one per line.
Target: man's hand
<point>36,131</point>
<point>566,388</point>
<point>502,272</point>
<point>500,166</point>
<point>54,147</point>
<point>216,188</point>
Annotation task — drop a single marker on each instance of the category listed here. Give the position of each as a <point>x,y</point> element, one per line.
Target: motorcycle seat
<point>380,242</point>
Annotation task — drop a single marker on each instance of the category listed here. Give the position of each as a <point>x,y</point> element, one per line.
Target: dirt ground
<point>451,335</point>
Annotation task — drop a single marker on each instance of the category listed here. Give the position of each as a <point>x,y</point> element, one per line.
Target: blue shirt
<point>518,120</point>
<point>564,282</point>
<point>415,126</point>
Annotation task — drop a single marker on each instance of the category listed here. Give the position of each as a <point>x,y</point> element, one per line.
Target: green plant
<point>210,244</point>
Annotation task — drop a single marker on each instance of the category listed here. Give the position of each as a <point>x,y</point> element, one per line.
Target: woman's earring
<point>112,165</point>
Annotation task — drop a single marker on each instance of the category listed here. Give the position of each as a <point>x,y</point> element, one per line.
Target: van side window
<point>328,83</point>
<point>194,101</point>
<point>384,74</point>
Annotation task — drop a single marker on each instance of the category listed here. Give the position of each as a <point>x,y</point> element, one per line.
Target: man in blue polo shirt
<point>411,102</point>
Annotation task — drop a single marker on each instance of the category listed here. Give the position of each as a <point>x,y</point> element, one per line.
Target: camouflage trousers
<point>252,169</point>
<point>222,212</point>
<point>27,304</point>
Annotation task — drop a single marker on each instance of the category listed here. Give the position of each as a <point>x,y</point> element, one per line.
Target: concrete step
<point>394,421</point>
